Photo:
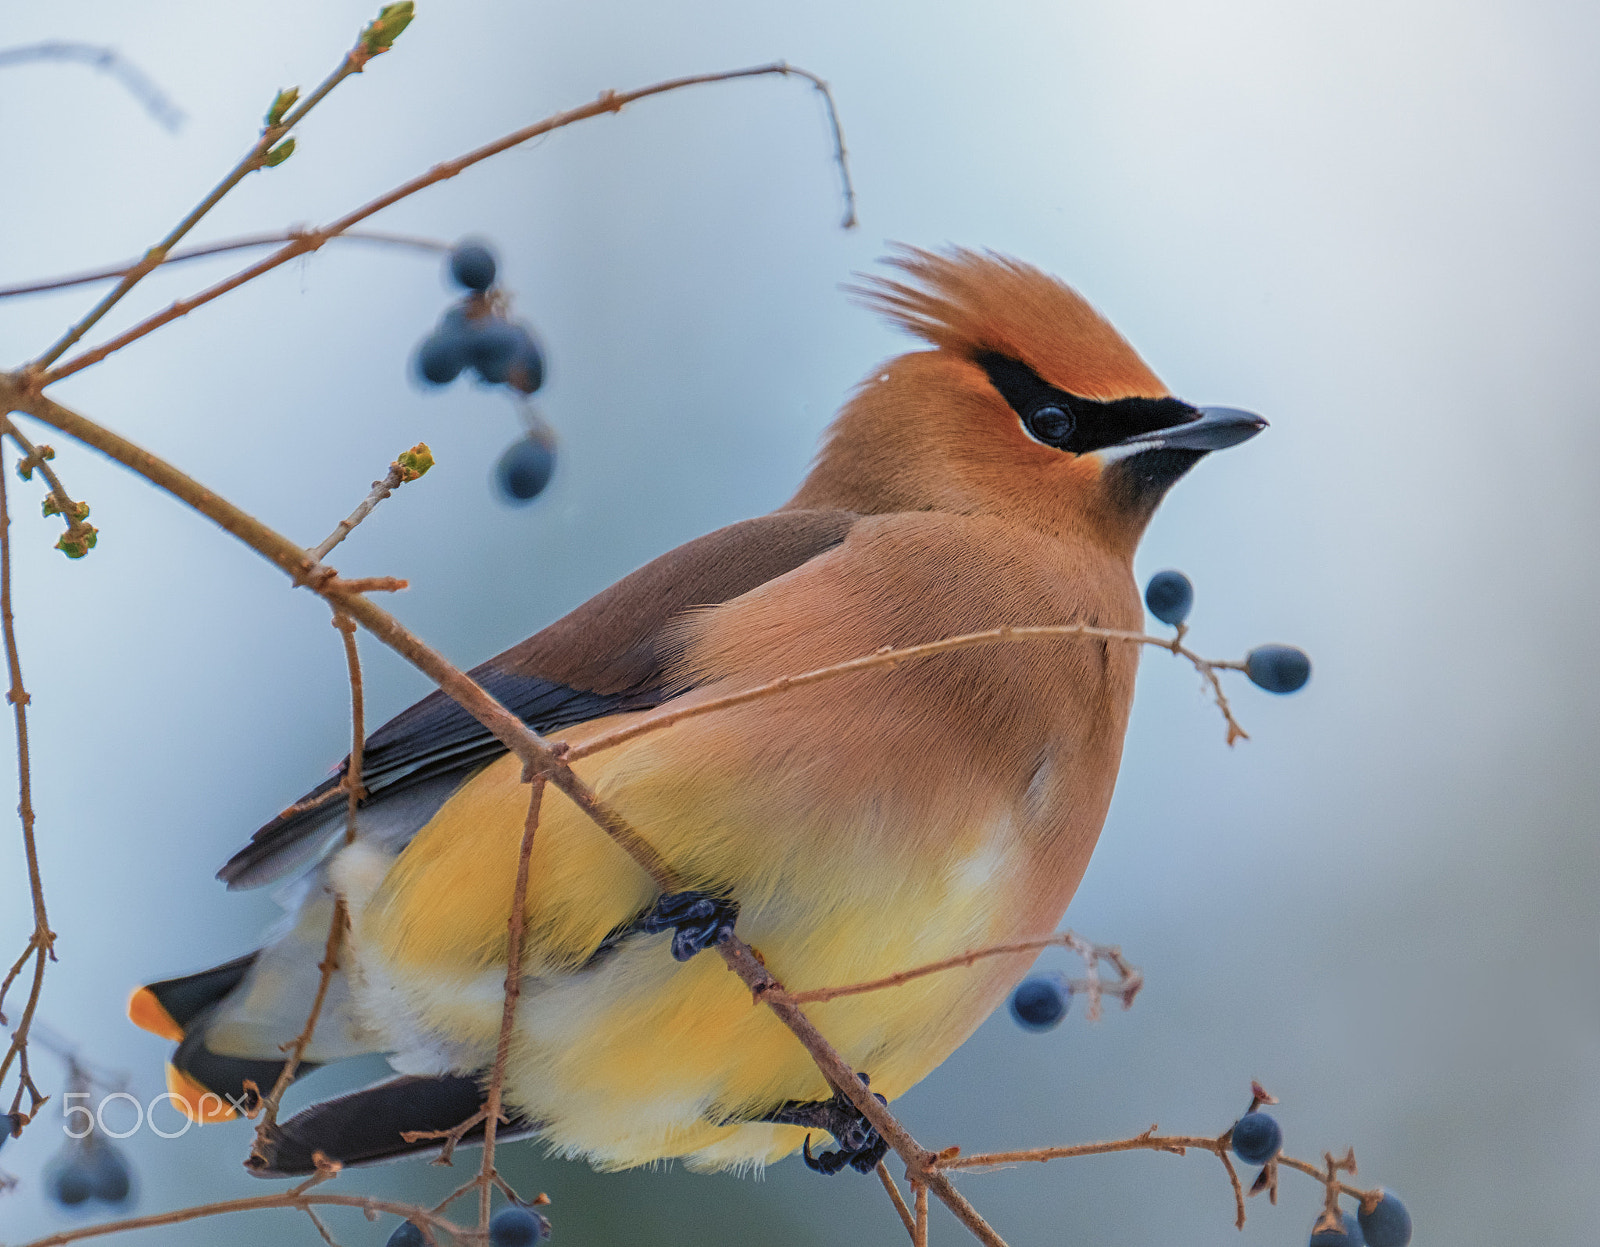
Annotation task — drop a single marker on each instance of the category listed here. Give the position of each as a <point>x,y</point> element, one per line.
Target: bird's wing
<point>610,655</point>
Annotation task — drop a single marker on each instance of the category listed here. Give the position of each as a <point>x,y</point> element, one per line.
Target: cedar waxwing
<point>855,828</point>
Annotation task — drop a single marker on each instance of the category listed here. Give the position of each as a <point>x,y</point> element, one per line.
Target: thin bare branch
<point>41,943</point>
<point>107,60</point>
<point>897,1199</point>
<point>294,1198</point>
<point>256,158</point>
<point>37,458</point>
<point>1131,982</point>
<point>890,656</point>
<point>340,921</point>
<point>322,1227</point>
<point>919,1231</point>
<point>275,238</point>
<point>1238,1191</point>
<point>417,460</point>
<point>516,923</point>
<point>311,240</point>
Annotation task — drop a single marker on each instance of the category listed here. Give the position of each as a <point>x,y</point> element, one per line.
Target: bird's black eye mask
<point>1071,423</point>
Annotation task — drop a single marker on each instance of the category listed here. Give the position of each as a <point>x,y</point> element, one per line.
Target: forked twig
<point>1131,980</point>
<point>311,240</point>
<point>891,656</point>
<point>256,158</point>
<point>41,942</point>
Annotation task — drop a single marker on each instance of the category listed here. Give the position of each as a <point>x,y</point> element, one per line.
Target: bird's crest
<point>968,302</point>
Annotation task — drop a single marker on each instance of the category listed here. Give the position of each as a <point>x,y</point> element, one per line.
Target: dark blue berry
<point>1169,595</point>
<point>1387,1225</point>
<point>69,1183</point>
<point>493,347</point>
<point>515,1227</point>
<point>441,357</point>
<point>1278,668</point>
<point>525,468</point>
<point>1349,1235</point>
<point>527,366</point>
<point>1256,1138</point>
<point>1039,1003</point>
<point>472,266</point>
<point>109,1172</point>
<point>406,1234</point>
<point>8,1126</point>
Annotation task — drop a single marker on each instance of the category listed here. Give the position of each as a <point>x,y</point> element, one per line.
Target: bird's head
<point>1030,406</point>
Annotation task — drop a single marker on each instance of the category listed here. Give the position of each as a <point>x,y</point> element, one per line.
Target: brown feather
<point>613,641</point>
<point>965,301</point>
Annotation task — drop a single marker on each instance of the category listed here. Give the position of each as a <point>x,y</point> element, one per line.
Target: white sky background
<point>1373,223</point>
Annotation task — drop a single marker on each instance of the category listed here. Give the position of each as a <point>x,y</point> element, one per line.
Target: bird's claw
<point>697,921</point>
<point>861,1147</point>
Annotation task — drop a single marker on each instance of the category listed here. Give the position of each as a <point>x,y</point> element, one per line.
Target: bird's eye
<point>1051,425</point>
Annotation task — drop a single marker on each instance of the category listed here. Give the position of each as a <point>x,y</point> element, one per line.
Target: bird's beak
<point>1216,429</point>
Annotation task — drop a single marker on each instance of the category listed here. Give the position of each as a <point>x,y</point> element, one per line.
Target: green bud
<point>380,34</point>
<point>415,462</point>
<point>282,102</point>
<point>26,466</point>
<point>78,542</point>
<point>80,510</point>
<point>279,154</point>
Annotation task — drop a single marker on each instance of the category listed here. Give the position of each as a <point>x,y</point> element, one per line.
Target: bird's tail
<point>233,1023</point>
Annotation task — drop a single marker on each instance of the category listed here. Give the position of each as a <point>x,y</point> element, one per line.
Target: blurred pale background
<point>1371,222</point>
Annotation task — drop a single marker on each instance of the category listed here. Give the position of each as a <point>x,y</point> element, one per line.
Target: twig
<point>921,1164</point>
<point>41,943</point>
<point>1238,1191</point>
<point>364,584</point>
<point>274,239</point>
<point>899,1201</point>
<point>399,473</point>
<point>37,458</point>
<point>889,656</point>
<point>1148,1141</point>
<point>919,1232</point>
<point>1329,1177</point>
<point>516,922</point>
<point>322,1228</point>
<point>296,1049</point>
<point>311,240</point>
<point>353,62</point>
<point>1178,1145</point>
<point>358,725</point>
<point>329,965</point>
<point>141,87</point>
<point>1132,979</point>
<point>294,1198</point>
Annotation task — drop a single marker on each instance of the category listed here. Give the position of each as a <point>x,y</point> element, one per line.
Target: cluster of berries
<point>1257,1139</point>
<point>475,334</point>
<point>89,1168</point>
<point>1276,668</point>
<point>510,1227</point>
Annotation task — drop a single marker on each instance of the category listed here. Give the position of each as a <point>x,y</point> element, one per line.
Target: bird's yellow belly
<point>634,1057</point>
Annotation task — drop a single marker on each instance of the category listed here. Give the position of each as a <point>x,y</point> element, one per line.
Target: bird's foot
<point>697,921</point>
<point>861,1147</point>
